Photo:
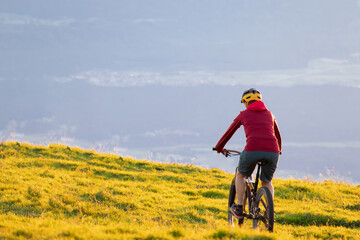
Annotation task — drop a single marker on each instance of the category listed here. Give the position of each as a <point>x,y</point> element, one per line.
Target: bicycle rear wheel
<point>264,210</point>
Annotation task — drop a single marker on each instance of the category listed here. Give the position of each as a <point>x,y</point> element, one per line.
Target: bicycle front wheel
<point>264,210</point>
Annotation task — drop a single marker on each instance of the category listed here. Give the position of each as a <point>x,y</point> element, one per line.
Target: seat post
<point>257,176</point>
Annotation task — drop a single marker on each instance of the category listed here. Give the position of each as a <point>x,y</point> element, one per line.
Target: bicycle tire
<point>264,210</point>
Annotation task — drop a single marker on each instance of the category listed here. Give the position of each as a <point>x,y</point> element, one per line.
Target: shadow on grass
<point>308,219</point>
<point>191,218</point>
<point>113,175</point>
<point>23,234</point>
<point>65,166</point>
<point>33,210</point>
<point>214,194</point>
<point>203,210</point>
<point>171,179</point>
<point>355,207</point>
<point>30,164</point>
<point>296,193</point>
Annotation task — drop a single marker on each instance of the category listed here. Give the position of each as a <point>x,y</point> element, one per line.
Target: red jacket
<point>261,130</point>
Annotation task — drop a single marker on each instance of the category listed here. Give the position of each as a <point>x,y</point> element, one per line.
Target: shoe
<point>237,211</point>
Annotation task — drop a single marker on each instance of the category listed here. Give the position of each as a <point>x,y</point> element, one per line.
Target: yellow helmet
<point>251,95</point>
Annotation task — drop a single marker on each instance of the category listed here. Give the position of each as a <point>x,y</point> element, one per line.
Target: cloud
<point>318,72</point>
<point>14,125</point>
<point>148,20</point>
<point>323,144</point>
<point>12,131</point>
<point>16,19</point>
<point>356,55</point>
<point>65,129</point>
<point>165,132</point>
<point>45,120</point>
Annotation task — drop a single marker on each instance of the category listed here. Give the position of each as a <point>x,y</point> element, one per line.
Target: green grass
<point>58,192</point>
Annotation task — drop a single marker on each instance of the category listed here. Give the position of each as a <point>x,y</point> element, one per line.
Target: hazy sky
<point>134,74</point>
<point>44,39</point>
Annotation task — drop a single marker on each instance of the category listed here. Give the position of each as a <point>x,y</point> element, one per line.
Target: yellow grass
<point>58,192</point>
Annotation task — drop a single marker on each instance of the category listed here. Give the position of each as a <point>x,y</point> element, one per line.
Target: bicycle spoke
<point>263,203</point>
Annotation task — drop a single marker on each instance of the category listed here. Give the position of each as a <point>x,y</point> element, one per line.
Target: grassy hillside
<point>58,192</point>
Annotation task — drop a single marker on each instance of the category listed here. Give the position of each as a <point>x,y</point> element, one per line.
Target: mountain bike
<point>258,204</point>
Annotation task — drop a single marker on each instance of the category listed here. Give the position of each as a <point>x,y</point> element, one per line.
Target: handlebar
<point>229,152</point>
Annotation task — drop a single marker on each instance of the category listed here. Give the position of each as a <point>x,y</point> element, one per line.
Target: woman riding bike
<point>263,142</point>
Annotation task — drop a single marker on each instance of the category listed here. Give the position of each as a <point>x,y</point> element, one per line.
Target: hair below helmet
<point>251,95</point>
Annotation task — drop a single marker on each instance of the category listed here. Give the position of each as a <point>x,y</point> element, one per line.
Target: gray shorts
<point>248,160</point>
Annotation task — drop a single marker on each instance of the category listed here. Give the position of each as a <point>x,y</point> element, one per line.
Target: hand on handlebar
<point>223,151</point>
<point>227,153</point>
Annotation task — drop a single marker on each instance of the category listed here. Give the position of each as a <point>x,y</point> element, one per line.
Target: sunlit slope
<point>58,192</point>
